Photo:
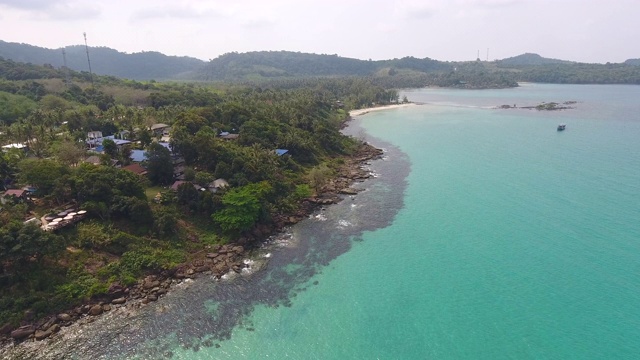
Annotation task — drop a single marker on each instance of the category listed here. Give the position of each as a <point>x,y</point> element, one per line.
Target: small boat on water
<point>561,127</point>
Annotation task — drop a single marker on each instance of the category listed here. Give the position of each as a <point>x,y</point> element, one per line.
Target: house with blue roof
<point>95,139</point>
<point>138,156</point>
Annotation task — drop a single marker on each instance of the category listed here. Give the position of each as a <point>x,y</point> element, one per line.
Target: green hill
<point>287,64</point>
<point>105,61</point>
<point>529,59</point>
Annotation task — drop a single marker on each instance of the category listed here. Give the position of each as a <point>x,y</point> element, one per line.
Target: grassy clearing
<point>152,191</point>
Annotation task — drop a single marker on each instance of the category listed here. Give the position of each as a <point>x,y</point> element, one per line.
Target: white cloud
<point>173,11</point>
<point>54,10</point>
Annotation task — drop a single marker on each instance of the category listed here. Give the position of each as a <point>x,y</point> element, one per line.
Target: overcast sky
<point>578,30</point>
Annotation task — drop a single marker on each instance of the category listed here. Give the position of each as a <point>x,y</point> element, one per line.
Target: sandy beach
<point>359,112</point>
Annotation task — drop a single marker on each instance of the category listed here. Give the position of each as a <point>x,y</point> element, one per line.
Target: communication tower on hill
<point>88,59</point>
<point>66,68</point>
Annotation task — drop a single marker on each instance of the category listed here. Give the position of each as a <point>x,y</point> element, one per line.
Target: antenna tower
<point>478,57</point>
<point>66,68</point>
<point>88,59</point>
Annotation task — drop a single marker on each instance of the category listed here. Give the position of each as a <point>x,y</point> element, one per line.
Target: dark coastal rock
<point>161,292</point>
<point>106,307</point>
<point>49,322</point>
<point>349,191</point>
<point>23,332</point>
<point>211,255</point>
<point>119,301</point>
<point>200,269</point>
<point>151,284</point>
<point>41,335</point>
<point>54,328</point>
<point>152,297</point>
<point>64,317</point>
<point>95,310</point>
<point>116,290</point>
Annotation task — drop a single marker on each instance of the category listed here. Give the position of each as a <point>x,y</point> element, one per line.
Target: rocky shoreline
<point>212,261</point>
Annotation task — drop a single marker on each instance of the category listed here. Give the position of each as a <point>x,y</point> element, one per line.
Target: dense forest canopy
<point>142,220</point>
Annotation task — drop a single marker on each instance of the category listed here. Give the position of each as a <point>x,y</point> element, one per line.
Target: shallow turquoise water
<point>515,241</point>
<point>486,235</point>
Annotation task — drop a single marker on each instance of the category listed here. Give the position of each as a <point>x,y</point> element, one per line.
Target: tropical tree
<point>242,207</point>
<point>70,153</point>
<point>41,174</point>
<point>159,165</point>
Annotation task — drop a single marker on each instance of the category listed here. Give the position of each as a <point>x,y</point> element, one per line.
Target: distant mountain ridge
<point>273,64</point>
<point>105,61</point>
<point>258,67</point>
<point>528,59</point>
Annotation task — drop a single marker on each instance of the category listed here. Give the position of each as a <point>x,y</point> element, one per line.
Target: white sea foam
<point>248,262</point>
<point>229,276</point>
<point>319,217</point>
<point>344,223</point>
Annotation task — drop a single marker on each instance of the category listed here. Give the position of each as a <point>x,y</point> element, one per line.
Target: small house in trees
<point>160,129</point>
<point>95,143</point>
<point>167,146</point>
<point>136,169</point>
<point>15,194</point>
<point>228,136</point>
<point>177,184</point>
<point>123,135</point>
<point>93,159</point>
<point>138,156</point>
<point>19,146</point>
<point>218,184</point>
<point>93,135</point>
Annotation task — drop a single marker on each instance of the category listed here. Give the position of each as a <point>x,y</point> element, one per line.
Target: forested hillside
<point>528,59</point>
<point>265,67</point>
<point>246,158</point>
<point>270,64</point>
<point>105,61</point>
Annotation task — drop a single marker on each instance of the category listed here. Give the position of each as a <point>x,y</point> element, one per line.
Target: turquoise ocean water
<point>515,241</point>
<point>486,234</point>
